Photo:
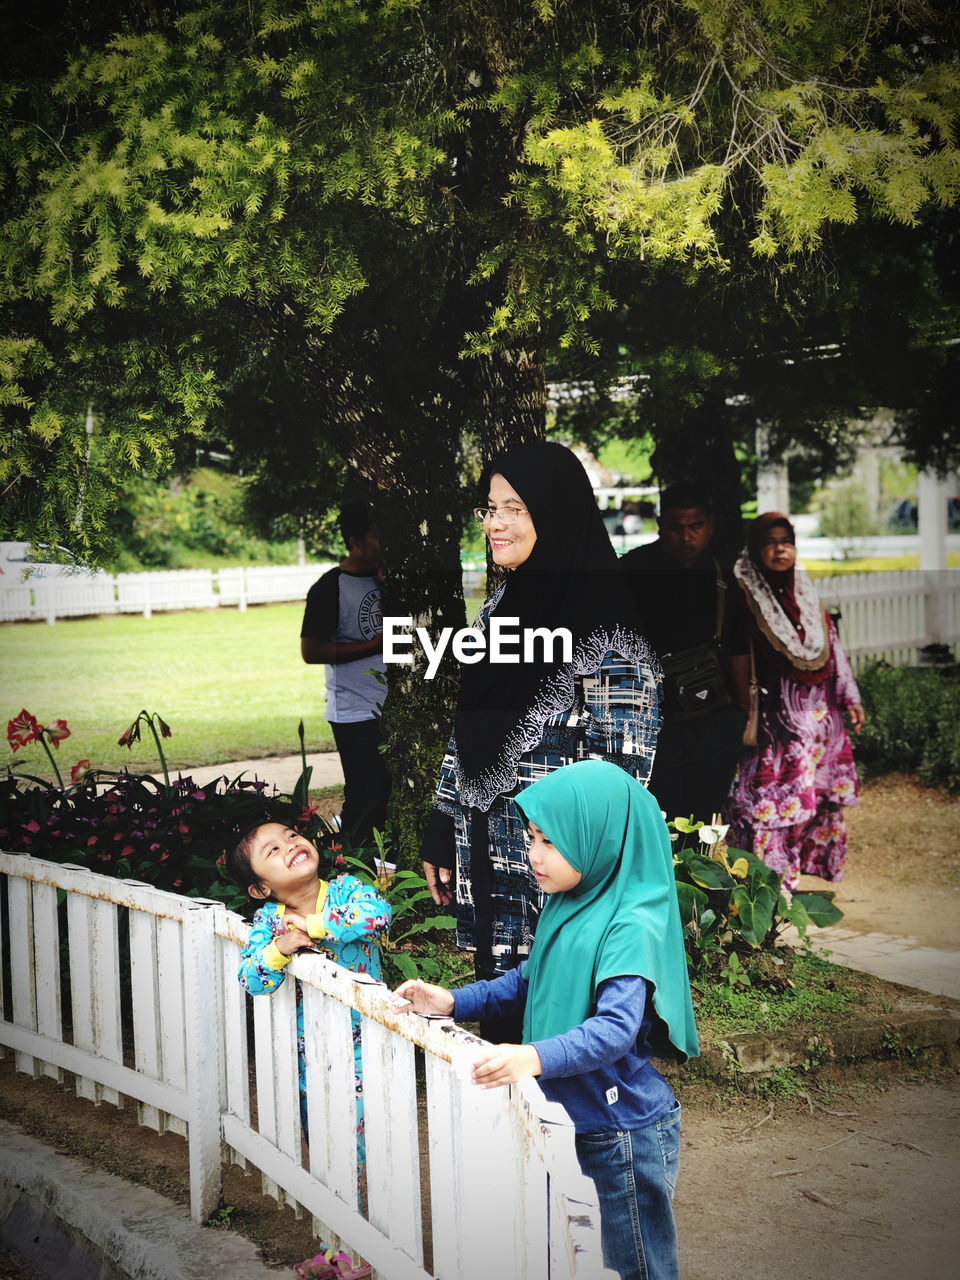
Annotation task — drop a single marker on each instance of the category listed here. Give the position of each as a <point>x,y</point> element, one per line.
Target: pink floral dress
<point>787,800</point>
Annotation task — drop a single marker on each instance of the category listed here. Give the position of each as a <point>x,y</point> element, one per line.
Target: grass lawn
<point>874,564</point>
<point>230,685</point>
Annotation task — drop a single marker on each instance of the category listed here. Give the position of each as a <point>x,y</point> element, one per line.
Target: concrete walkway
<point>281,772</point>
<point>67,1218</point>
<point>894,959</point>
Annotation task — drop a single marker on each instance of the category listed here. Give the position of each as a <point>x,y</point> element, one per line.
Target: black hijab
<point>572,578</point>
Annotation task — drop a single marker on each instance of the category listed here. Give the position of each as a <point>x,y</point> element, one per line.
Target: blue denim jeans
<point>635,1172</point>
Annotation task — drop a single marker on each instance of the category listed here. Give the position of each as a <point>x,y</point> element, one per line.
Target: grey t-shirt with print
<point>344,606</point>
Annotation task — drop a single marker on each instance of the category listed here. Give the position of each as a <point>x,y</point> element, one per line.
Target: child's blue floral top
<point>350,917</point>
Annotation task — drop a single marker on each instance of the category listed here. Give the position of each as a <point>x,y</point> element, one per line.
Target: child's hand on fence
<point>506,1064</point>
<point>424,997</point>
<point>295,936</point>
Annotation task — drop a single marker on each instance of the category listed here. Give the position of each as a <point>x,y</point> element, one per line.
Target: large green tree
<point>367,224</point>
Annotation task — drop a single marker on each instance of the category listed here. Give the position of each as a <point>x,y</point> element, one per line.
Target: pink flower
<point>78,770</point>
<point>23,729</point>
<point>32,825</point>
<point>57,732</point>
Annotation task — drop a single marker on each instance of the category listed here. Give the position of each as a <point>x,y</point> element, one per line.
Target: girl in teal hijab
<point>604,989</point>
<point>621,917</point>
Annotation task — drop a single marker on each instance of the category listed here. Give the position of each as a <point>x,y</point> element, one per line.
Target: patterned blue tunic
<point>614,715</point>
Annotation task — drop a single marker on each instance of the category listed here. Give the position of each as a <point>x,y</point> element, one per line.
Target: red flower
<point>57,732</point>
<point>165,730</point>
<point>131,735</point>
<point>32,825</point>
<point>78,770</point>
<point>23,729</point>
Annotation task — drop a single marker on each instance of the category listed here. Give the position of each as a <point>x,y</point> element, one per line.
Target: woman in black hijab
<point>517,721</point>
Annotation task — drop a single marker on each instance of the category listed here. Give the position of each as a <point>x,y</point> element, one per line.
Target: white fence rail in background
<point>890,614</point>
<point>894,614</point>
<point>75,595</point>
<point>156,1014</point>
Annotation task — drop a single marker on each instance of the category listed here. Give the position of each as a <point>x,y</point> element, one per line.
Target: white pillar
<point>932,520</point>
<point>773,479</point>
<point>932,523</point>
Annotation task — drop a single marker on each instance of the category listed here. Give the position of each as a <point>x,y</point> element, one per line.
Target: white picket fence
<point>85,593</point>
<point>156,1014</point>
<point>893,615</point>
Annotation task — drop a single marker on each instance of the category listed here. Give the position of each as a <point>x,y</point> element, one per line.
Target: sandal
<point>328,1265</point>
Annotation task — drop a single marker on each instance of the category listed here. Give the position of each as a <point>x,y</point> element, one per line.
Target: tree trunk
<point>698,445</point>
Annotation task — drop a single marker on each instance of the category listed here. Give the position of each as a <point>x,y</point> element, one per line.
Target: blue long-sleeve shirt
<point>599,1071</point>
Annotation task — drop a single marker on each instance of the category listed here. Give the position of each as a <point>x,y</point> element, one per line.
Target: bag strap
<point>721,597</point>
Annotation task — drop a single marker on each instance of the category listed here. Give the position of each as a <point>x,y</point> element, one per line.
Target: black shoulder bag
<point>694,683</point>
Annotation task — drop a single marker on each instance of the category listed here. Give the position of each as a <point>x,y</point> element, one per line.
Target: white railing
<point>74,595</point>
<point>892,615</point>
<point>156,1014</point>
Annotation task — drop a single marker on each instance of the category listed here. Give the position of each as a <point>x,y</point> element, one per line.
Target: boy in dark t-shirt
<point>343,629</point>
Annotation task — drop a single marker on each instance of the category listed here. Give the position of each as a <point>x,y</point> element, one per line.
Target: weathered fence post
<point>202,1023</point>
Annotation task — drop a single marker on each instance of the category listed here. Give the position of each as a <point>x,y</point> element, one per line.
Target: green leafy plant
<point>222,1217</point>
<point>413,949</point>
<point>912,723</point>
<point>729,899</point>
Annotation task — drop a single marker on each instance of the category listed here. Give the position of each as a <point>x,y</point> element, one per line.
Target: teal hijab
<point>621,919</point>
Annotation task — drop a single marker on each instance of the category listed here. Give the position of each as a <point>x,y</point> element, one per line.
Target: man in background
<point>692,613</point>
<point>343,629</point>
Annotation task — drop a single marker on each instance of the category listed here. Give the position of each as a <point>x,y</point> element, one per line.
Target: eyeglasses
<point>506,515</point>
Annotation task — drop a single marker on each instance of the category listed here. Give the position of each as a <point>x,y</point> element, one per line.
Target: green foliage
<point>201,515</point>
<point>847,515</point>
<point>212,205</point>
<point>173,837</point>
<point>777,989</point>
<point>413,949</point>
<point>912,723</point>
<point>731,902</point>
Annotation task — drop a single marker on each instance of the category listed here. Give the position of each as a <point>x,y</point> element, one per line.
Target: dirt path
<point>872,1191</point>
<point>903,865</point>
